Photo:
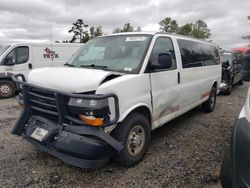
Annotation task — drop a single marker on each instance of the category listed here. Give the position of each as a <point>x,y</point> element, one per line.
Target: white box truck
<point>116,89</point>
<point>18,58</point>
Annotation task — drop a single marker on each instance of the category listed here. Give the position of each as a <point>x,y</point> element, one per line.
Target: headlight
<point>91,111</point>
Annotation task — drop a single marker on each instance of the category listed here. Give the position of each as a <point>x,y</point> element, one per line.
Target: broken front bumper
<point>61,134</point>
<point>79,146</point>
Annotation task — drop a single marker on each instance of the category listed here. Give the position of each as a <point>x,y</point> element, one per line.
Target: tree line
<point>82,32</point>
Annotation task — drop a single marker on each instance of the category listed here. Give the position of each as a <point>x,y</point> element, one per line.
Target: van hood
<point>68,79</point>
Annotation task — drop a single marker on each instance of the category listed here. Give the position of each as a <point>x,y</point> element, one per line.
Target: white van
<point>22,57</point>
<point>116,90</point>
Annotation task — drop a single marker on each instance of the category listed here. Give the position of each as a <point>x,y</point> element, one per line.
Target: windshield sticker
<point>130,39</point>
<point>128,69</point>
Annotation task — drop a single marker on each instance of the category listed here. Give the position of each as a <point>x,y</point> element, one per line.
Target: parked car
<point>231,66</point>
<point>117,89</point>
<point>18,58</point>
<point>235,169</point>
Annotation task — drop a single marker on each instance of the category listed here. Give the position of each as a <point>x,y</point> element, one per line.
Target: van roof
<point>165,33</point>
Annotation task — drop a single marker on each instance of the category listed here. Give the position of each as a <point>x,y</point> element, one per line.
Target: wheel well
<point>215,84</point>
<point>145,111</point>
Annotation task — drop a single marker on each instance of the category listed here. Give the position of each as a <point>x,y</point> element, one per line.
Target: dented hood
<point>67,79</point>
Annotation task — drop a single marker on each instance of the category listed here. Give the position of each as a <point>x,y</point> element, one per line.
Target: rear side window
<point>197,54</point>
<point>19,54</point>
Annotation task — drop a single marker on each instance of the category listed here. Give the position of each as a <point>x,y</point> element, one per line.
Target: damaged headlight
<point>91,111</point>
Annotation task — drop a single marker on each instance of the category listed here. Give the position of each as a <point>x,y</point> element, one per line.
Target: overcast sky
<point>31,19</point>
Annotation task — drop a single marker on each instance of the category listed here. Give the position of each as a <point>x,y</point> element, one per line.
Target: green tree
<point>79,30</point>
<point>117,30</point>
<point>82,34</point>
<point>186,29</point>
<point>169,25</point>
<point>95,32</point>
<point>127,28</point>
<point>200,30</point>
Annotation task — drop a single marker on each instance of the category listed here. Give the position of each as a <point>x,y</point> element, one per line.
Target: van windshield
<point>3,48</point>
<point>122,53</point>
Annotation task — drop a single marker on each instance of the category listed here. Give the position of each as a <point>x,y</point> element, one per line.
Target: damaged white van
<point>115,90</point>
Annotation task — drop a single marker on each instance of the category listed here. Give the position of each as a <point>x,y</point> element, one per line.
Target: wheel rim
<point>5,89</point>
<point>136,140</point>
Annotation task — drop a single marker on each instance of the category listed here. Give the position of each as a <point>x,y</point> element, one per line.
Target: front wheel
<point>134,133</point>
<point>226,171</point>
<point>7,89</point>
<point>208,106</point>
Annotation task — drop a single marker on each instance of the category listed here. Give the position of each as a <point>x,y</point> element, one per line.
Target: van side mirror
<point>8,61</point>
<point>245,68</point>
<point>164,61</point>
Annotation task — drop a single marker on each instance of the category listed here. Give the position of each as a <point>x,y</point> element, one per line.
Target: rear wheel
<point>208,106</point>
<point>230,86</point>
<point>7,88</point>
<point>134,133</point>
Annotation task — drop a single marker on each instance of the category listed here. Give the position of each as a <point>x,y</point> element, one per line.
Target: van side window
<point>19,54</point>
<point>197,54</point>
<point>191,53</point>
<point>163,44</point>
<point>214,57</point>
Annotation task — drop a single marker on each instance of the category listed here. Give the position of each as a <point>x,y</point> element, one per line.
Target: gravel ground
<point>186,152</point>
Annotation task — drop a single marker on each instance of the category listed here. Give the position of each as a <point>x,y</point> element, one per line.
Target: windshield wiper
<point>95,66</point>
<point>70,65</point>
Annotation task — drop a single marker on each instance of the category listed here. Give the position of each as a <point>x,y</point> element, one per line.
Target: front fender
<point>127,112</point>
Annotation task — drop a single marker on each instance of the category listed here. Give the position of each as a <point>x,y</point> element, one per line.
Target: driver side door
<point>164,84</point>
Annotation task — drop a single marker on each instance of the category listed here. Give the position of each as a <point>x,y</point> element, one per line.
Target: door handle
<point>30,66</point>
<point>178,77</point>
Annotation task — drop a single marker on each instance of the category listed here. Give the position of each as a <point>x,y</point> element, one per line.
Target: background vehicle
<point>117,89</point>
<point>235,169</point>
<point>22,57</point>
<point>243,50</point>
<point>231,66</point>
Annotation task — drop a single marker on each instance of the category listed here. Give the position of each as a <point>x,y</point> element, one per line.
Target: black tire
<point>126,133</point>
<point>208,106</point>
<point>240,82</point>
<point>7,89</point>
<point>229,90</point>
<point>226,171</point>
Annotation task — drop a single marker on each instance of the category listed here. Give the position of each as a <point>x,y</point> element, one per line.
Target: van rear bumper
<point>85,147</point>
